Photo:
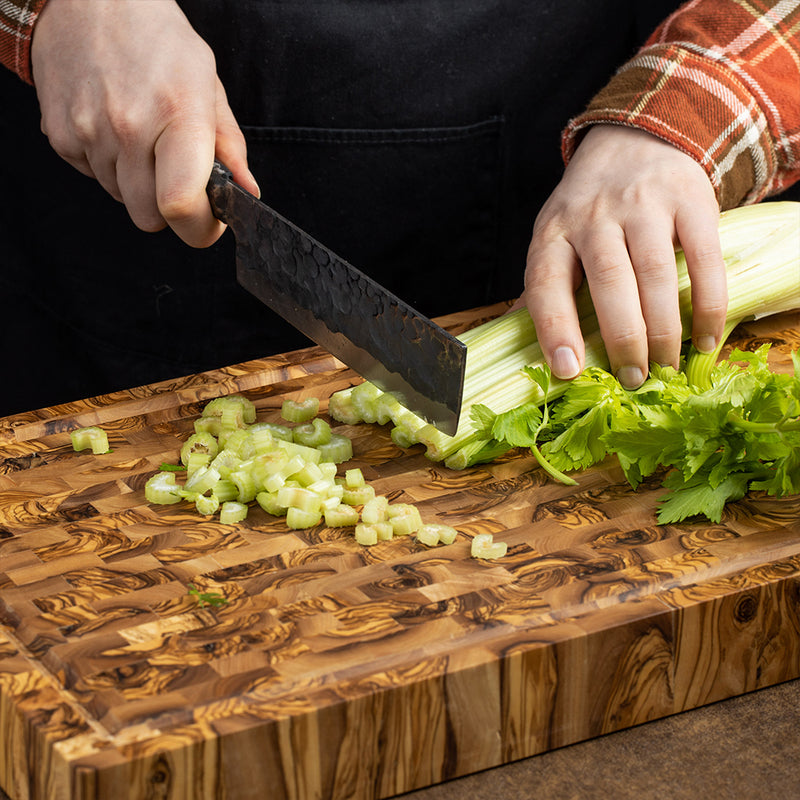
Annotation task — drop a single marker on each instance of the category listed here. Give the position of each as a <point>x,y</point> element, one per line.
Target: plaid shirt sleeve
<point>719,79</point>
<point>17,18</point>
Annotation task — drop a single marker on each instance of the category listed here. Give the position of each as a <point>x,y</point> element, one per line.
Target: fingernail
<point>255,182</point>
<point>706,344</point>
<point>630,377</point>
<point>565,364</point>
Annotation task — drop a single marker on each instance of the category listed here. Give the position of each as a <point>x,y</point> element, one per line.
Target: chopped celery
<point>195,461</point>
<point>232,512</point>
<point>366,534</point>
<point>443,534</point>
<point>375,509</point>
<point>483,546</point>
<point>338,450</point>
<point>312,434</point>
<point>300,410</point>
<point>354,478</point>
<point>207,506</point>
<point>203,443</point>
<point>341,516</point>
<point>298,519</point>
<point>202,481</point>
<point>91,437</point>
<point>358,496</point>
<point>162,489</point>
<point>297,497</point>
<point>269,502</point>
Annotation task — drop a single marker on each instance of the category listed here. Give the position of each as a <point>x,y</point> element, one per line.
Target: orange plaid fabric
<point>17,18</point>
<point>720,79</point>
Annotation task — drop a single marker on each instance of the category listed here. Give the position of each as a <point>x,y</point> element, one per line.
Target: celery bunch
<point>761,248</point>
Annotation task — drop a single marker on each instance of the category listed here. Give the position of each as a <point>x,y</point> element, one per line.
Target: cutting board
<point>342,671</point>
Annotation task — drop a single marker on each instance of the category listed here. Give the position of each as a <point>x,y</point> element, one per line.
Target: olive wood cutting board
<point>342,671</point>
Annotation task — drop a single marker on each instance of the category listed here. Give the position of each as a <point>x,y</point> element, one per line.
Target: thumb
<point>230,146</point>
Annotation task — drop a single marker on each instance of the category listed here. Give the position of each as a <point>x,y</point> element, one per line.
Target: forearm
<point>17,20</point>
<point>718,80</point>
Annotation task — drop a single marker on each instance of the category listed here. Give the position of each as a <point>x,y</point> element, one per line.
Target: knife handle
<point>219,189</point>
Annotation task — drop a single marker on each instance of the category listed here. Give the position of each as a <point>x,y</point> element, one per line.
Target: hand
<point>626,200</point>
<point>129,95</point>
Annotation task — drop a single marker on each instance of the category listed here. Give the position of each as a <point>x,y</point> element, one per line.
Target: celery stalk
<point>761,248</point>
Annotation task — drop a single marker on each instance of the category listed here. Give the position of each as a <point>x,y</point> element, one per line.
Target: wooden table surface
<point>342,671</point>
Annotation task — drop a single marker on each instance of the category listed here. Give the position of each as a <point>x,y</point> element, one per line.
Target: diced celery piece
<point>195,461</point>
<point>203,480</point>
<point>483,546</point>
<point>233,410</point>
<point>199,443</point>
<point>338,450</point>
<point>342,516</point>
<point>281,432</point>
<point>384,530</point>
<point>161,489</point>
<point>238,440</point>
<point>428,535</point>
<point>342,409</point>
<point>300,410</point>
<point>402,437</point>
<point>261,439</point>
<point>375,510</point>
<point>354,478</point>
<point>365,398</point>
<point>269,502</point>
<point>225,490</point>
<point>299,498</point>
<point>366,534</point>
<point>312,434</point>
<point>91,437</point>
<point>311,473</point>
<point>225,462</point>
<point>327,469</point>
<point>206,506</point>
<point>307,454</point>
<point>332,502</point>
<point>405,524</point>
<point>232,512</point>
<point>297,519</point>
<point>436,533</point>
<point>358,496</point>
<point>246,486</point>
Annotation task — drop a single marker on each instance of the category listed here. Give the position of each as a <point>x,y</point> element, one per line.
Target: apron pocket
<point>415,208</point>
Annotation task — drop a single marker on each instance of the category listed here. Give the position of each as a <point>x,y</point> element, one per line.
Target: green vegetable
<point>508,389</point>
<point>207,598</point>
<point>91,437</point>
<point>300,410</point>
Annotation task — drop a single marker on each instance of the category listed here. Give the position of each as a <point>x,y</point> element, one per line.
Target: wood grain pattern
<point>337,671</point>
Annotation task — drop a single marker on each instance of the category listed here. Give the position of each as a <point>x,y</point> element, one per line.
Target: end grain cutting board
<point>341,671</point>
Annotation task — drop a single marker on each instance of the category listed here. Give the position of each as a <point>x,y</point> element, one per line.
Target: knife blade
<point>340,308</point>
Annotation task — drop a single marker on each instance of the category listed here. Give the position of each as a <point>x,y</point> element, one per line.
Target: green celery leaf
<point>696,497</point>
<point>518,427</point>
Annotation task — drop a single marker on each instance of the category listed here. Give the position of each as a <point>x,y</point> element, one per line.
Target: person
<point>417,144</point>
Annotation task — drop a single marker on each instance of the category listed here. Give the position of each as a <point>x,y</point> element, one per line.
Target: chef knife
<point>340,308</point>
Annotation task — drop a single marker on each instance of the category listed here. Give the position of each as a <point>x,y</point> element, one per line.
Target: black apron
<point>416,138</point>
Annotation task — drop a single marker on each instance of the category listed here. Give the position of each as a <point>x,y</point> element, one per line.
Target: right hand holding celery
<point>625,200</point>
<point>507,381</point>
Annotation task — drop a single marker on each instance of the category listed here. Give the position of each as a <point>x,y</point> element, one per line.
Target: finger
<point>231,148</point>
<point>615,294</point>
<point>551,277</point>
<point>184,157</point>
<point>698,234</point>
<point>137,181</point>
<point>652,255</point>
